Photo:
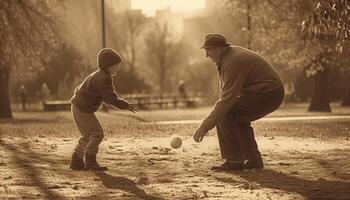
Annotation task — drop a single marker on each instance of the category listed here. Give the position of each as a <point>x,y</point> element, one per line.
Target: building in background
<point>119,5</point>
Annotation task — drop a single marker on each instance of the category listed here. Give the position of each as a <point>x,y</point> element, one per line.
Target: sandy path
<point>296,168</point>
<point>265,119</point>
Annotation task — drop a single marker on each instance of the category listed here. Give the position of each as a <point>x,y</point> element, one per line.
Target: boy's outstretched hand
<point>132,108</point>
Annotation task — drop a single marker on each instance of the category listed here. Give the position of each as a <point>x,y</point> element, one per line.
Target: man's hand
<point>132,108</point>
<point>199,135</point>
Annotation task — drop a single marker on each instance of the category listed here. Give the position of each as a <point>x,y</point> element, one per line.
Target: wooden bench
<point>146,101</point>
<point>143,101</point>
<point>56,105</point>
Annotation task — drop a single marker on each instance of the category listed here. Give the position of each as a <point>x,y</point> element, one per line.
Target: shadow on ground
<point>23,161</point>
<point>125,184</point>
<point>335,168</point>
<point>30,121</point>
<point>311,189</point>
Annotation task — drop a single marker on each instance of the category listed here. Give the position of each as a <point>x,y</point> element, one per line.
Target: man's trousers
<point>236,136</point>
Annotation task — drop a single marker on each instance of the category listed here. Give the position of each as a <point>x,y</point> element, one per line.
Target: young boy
<point>88,96</point>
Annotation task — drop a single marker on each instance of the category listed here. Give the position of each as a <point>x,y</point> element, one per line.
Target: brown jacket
<point>240,71</point>
<point>94,90</point>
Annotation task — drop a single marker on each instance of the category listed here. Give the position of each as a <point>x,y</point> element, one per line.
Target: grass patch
<point>121,123</point>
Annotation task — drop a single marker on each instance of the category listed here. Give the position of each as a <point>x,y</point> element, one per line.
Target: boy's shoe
<point>91,163</point>
<point>77,163</point>
<point>229,166</point>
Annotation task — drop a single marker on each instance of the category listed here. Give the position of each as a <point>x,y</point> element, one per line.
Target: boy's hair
<point>107,57</point>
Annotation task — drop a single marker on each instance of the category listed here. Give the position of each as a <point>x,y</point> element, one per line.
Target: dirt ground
<point>303,159</point>
<point>146,168</point>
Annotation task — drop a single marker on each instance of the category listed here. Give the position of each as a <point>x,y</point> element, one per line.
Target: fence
<point>143,101</point>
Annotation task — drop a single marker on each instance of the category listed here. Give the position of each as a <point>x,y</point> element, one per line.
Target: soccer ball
<point>175,142</point>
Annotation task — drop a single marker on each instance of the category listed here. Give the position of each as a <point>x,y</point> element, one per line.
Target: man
<point>249,89</point>
<point>182,90</point>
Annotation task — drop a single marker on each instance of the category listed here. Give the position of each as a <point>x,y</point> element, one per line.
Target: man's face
<point>213,53</point>
<point>114,69</point>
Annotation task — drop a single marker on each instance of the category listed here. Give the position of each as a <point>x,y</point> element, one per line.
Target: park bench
<point>56,105</point>
<point>147,101</point>
<point>143,101</point>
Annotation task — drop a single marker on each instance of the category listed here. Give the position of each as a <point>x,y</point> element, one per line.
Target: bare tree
<point>243,9</point>
<point>163,54</point>
<point>134,23</point>
<point>27,29</point>
<point>125,35</point>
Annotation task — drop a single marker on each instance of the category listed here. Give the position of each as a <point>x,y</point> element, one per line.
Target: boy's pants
<point>236,136</point>
<point>90,129</point>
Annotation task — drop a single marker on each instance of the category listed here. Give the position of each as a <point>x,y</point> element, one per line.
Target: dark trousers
<point>235,133</point>
<point>91,132</point>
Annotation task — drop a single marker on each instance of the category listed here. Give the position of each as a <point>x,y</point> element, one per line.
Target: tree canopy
<point>330,18</point>
<point>28,34</point>
<point>28,31</point>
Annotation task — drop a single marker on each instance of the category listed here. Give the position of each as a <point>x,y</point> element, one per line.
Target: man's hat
<point>214,40</point>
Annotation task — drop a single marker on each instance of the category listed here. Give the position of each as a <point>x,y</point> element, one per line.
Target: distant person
<point>249,89</point>
<point>44,92</point>
<point>88,96</point>
<point>182,90</point>
<point>23,96</point>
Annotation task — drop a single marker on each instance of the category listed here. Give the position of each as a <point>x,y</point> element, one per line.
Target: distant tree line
<point>306,40</point>
<point>309,37</point>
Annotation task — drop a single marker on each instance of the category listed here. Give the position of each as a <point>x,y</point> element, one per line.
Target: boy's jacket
<point>94,90</point>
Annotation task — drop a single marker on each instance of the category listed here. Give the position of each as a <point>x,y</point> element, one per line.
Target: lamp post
<point>104,107</point>
<point>249,29</point>
<point>103,24</point>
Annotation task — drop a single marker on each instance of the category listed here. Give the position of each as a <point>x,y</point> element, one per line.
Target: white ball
<point>175,142</point>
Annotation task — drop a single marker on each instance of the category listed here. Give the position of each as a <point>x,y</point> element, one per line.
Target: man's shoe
<point>229,166</point>
<point>76,163</point>
<point>254,165</point>
<point>91,163</point>
<point>255,162</point>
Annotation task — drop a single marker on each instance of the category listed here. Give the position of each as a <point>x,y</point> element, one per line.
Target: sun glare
<point>150,6</point>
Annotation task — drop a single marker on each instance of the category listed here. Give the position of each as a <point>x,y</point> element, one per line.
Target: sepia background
<point>48,47</point>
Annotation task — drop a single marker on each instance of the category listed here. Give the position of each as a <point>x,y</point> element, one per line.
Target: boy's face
<point>114,69</point>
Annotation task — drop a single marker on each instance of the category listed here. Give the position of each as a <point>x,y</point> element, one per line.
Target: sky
<point>150,6</point>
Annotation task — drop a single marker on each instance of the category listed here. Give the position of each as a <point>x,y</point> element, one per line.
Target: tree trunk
<point>133,53</point>
<point>5,106</point>
<point>249,29</point>
<point>346,97</point>
<point>320,97</point>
